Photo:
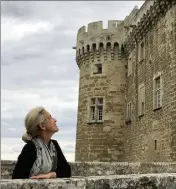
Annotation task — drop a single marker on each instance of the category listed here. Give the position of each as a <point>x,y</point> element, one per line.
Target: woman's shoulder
<point>28,151</point>
<point>29,146</point>
<point>55,142</point>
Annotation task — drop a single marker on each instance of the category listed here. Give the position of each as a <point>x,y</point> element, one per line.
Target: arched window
<point>94,47</point>
<point>116,48</point>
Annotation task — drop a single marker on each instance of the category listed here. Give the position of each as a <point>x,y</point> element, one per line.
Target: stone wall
<point>100,176</point>
<point>104,168</point>
<point>155,127</point>
<point>149,181</point>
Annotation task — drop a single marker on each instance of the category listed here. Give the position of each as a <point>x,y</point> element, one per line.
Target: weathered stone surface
<point>99,169</point>
<point>147,137</point>
<point>146,181</point>
<point>156,125</point>
<point>120,168</point>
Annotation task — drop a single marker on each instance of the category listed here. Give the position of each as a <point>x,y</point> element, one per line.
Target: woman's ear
<point>42,126</point>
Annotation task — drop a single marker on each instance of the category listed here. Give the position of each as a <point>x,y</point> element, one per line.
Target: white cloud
<point>17,30</point>
<point>24,100</point>
<point>11,148</point>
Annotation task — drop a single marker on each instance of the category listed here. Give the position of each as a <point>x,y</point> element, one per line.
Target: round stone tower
<point>102,84</point>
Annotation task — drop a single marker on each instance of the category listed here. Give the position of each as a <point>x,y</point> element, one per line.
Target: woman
<point>41,157</point>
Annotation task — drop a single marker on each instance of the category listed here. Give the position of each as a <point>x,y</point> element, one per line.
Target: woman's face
<point>50,125</point>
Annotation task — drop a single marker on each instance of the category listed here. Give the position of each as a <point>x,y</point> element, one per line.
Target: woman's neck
<point>46,138</point>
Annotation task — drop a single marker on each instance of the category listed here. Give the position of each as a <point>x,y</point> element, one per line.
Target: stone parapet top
<point>104,168</point>
<point>154,12</point>
<point>135,181</point>
<point>11,162</point>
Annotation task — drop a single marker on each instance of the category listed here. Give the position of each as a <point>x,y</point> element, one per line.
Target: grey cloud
<point>40,44</point>
<point>13,9</point>
<point>7,131</point>
<point>66,121</point>
<point>29,9</point>
<point>41,51</point>
<point>16,129</point>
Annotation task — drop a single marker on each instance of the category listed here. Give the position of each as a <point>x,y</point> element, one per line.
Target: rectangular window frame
<point>128,112</point>
<point>141,51</point>
<point>157,91</point>
<point>141,100</point>
<point>96,69</point>
<point>130,64</point>
<point>99,110</point>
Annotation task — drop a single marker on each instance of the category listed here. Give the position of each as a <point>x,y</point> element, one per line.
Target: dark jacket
<point>28,156</point>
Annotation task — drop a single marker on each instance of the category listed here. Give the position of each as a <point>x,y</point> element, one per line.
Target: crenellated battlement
<point>97,27</point>
<point>99,43</point>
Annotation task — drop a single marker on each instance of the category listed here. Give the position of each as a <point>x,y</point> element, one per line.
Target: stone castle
<point>127,105</point>
<point>127,87</point>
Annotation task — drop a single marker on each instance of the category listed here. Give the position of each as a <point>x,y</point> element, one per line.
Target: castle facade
<point>127,87</point>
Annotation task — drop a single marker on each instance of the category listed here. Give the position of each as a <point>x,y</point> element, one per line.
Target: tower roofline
<point>97,27</point>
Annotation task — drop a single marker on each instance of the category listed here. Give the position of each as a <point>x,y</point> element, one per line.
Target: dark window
<point>97,69</point>
<point>155,145</point>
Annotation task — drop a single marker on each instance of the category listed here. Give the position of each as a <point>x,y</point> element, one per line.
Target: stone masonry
<point>129,70</point>
<point>86,169</point>
<point>100,175</point>
<point>155,125</point>
<point>149,181</point>
<point>101,140</point>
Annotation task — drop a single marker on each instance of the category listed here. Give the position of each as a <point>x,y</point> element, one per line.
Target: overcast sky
<point>38,64</point>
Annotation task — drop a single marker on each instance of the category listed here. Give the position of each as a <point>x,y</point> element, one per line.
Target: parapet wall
<point>136,14</point>
<point>150,181</point>
<point>94,39</point>
<point>85,169</point>
<point>97,27</point>
<point>134,17</point>
<point>100,176</point>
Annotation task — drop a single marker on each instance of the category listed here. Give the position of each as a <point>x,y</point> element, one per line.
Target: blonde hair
<point>33,119</point>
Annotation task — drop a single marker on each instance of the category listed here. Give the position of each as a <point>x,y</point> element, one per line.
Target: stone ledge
<point>103,168</point>
<point>135,181</point>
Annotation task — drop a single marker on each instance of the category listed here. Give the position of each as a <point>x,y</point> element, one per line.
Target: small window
<point>142,108</point>
<point>96,109</point>
<point>157,92</point>
<point>97,69</point>
<point>128,112</point>
<point>155,145</point>
<point>141,100</point>
<point>129,66</point>
<point>141,51</point>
